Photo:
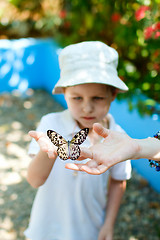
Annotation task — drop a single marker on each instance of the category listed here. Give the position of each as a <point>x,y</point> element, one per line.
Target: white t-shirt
<point>71,206</point>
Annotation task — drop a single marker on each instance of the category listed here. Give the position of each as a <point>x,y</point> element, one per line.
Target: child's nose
<point>87,107</point>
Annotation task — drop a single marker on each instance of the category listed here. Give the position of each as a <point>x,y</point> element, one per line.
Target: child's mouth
<point>88,118</point>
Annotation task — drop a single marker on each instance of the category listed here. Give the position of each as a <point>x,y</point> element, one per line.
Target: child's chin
<point>85,125</point>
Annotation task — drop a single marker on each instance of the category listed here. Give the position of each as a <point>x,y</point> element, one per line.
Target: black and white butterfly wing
<point>63,151</point>
<point>80,137</point>
<point>56,138</point>
<point>74,151</point>
<point>59,142</point>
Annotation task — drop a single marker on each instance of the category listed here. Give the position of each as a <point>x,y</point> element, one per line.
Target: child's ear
<point>64,93</point>
<point>114,94</point>
<point>63,89</point>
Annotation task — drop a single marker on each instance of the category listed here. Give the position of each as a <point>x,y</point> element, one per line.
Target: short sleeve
<point>121,171</point>
<point>34,147</point>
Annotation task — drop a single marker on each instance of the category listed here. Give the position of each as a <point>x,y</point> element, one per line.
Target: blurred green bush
<point>131,27</point>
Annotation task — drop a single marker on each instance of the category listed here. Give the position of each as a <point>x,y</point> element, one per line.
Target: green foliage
<point>131,27</point>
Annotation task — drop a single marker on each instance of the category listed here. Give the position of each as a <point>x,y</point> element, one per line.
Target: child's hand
<point>105,233</point>
<point>44,143</point>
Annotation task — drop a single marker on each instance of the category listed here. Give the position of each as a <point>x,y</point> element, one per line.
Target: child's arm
<point>42,163</point>
<point>115,194</point>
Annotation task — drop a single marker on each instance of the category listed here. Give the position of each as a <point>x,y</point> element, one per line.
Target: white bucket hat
<point>88,62</point>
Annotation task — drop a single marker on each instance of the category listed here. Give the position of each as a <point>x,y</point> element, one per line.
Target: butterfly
<point>68,149</point>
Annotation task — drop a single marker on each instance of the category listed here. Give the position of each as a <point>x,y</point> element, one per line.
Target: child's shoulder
<point>55,120</point>
<point>55,115</point>
<point>113,125</point>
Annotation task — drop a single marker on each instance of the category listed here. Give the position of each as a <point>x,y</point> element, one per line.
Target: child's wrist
<point>109,224</point>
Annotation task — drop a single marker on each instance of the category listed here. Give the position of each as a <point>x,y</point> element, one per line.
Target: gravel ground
<point>139,214</point>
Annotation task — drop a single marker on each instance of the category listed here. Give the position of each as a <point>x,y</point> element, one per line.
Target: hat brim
<point>90,76</point>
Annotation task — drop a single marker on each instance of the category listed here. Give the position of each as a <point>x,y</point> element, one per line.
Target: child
<point>73,205</point>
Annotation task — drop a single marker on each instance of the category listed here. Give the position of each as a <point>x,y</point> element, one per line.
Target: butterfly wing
<point>63,151</point>
<point>74,151</point>
<point>56,138</point>
<point>80,137</point>
<point>59,142</point>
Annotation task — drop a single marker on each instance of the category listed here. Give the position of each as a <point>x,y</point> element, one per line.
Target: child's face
<point>88,103</point>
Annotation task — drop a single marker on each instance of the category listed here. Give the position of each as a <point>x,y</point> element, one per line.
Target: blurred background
<point>131,27</point>
<point>31,35</point>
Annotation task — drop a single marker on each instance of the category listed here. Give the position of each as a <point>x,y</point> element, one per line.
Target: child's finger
<point>42,140</point>
<point>36,135</point>
<point>100,130</point>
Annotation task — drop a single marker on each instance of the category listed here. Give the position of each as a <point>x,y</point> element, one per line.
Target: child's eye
<point>77,98</point>
<point>97,98</point>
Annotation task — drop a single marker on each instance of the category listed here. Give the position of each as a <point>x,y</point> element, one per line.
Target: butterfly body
<point>68,149</point>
